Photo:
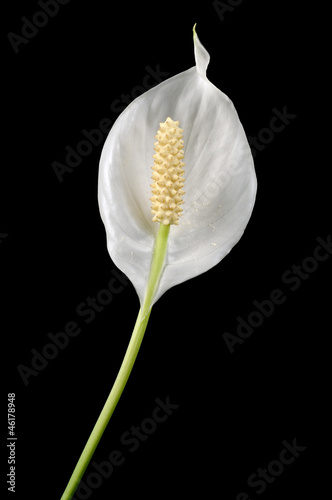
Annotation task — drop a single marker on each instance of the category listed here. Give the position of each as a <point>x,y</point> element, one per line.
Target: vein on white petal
<point>128,183</point>
<point>218,219</point>
<point>226,127</point>
<point>217,172</point>
<point>203,152</point>
<point>123,230</point>
<point>170,102</point>
<point>146,142</point>
<point>224,214</point>
<point>186,120</point>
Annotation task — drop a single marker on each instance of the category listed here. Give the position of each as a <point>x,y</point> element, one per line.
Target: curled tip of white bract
<point>202,57</point>
<point>167,174</point>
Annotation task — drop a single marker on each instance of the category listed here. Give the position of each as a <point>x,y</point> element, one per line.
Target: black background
<point>235,410</point>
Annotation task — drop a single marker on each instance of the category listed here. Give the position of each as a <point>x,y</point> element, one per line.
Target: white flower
<point>220,182</point>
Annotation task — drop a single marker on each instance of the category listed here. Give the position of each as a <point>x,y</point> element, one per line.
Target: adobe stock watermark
<point>262,477</point>
<point>291,280</point>
<point>95,137</point>
<point>57,342</point>
<point>224,7</point>
<point>3,236</point>
<point>130,440</point>
<point>30,27</point>
<point>266,135</point>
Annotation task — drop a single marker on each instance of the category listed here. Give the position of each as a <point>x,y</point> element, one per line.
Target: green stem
<point>127,363</point>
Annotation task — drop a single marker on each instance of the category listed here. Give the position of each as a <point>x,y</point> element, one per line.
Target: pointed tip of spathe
<point>202,57</point>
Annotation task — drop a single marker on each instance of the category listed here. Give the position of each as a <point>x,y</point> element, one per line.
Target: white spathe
<point>220,181</point>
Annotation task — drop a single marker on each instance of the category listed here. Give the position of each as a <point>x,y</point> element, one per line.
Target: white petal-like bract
<point>220,181</point>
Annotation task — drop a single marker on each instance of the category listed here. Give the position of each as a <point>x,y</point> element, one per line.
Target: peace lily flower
<point>170,220</point>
